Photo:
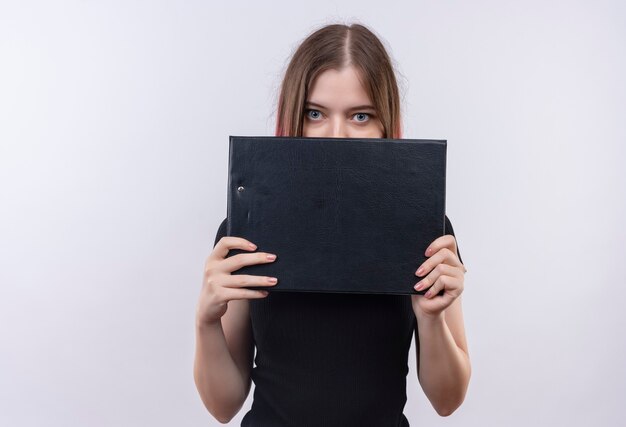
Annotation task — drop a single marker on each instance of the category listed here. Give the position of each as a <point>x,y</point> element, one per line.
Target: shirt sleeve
<point>449,230</point>
<point>221,232</point>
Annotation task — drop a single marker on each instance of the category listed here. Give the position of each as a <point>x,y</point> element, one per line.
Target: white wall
<point>114,124</point>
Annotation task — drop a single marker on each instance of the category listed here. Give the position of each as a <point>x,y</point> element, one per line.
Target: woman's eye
<point>313,114</point>
<point>317,115</point>
<point>361,117</point>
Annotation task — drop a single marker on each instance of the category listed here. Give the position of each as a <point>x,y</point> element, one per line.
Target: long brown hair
<point>337,46</point>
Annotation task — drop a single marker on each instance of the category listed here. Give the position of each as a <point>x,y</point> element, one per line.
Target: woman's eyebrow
<point>358,107</point>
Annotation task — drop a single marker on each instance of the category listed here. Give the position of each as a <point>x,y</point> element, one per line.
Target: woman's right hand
<point>219,286</point>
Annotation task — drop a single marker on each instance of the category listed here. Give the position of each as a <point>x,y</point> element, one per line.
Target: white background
<point>114,125</point>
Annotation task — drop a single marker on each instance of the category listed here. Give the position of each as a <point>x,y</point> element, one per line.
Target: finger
<point>448,284</point>
<point>447,241</point>
<point>226,243</point>
<point>431,278</point>
<point>239,293</point>
<point>444,255</point>
<point>245,280</point>
<point>436,304</point>
<point>235,262</point>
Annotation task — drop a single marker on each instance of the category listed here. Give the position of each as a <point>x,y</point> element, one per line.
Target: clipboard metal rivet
<point>240,188</point>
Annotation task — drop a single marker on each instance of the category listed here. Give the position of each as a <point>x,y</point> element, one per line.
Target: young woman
<point>326,359</point>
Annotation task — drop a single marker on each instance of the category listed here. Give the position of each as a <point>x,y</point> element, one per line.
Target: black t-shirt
<point>330,359</point>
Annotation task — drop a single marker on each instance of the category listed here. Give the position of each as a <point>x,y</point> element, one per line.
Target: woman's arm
<point>222,367</point>
<point>443,365</point>
<point>224,349</point>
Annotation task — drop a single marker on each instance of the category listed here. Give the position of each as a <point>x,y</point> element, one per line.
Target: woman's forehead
<point>338,90</point>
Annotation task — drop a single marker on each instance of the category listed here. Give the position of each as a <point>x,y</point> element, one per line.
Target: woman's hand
<point>442,271</point>
<point>220,286</point>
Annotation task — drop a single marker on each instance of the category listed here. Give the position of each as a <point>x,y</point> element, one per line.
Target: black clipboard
<point>349,215</point>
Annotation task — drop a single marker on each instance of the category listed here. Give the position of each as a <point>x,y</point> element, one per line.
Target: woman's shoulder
<point>449,230</point>
<point>221,231</point>
<point>448,226</point>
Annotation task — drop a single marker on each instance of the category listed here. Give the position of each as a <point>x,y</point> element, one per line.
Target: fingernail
<point>272,280</point>
<point>419,286</point>
<point>252,245</point>
<point>420,271</point>
<point>271,257</point>
<point>427,294</point>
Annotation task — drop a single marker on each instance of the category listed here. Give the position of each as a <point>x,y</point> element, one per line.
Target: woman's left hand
<point>443,271</point>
